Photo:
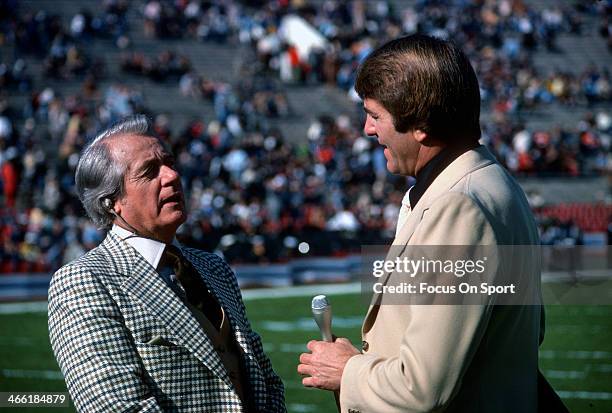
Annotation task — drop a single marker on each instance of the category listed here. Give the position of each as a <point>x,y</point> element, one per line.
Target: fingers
<point>312,344</point>
<point>305,367</point>
<point>315,367</point>
<point>306,358</point>
<point>310,382</point>
<point>306,370</point>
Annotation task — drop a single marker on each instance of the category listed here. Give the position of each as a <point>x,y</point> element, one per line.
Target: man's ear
<point>117,206</point>
<point>420,136</point>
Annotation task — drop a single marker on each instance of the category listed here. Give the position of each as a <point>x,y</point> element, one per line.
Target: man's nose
<point>169,175</point>
<point>368,128</point>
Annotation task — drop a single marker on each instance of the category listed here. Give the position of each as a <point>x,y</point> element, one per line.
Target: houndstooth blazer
<point>105,310</point>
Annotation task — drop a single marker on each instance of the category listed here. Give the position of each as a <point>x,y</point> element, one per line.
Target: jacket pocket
<point>160,341</point>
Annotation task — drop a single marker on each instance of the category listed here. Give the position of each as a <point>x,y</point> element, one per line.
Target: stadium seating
<point>305,135</point>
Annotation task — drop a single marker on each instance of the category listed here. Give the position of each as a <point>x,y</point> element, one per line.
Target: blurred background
<point>256,99</point>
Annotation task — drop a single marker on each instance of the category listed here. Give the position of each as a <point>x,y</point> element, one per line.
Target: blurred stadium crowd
<point>254,195</point>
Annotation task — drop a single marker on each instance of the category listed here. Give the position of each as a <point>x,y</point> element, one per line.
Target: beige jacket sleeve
<point>439,341</point>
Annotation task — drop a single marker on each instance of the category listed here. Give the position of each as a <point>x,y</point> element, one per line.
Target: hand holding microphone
<point>325,364</point>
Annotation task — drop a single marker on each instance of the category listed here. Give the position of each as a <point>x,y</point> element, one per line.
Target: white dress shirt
<point>403,212</point>
<point>150,249</point>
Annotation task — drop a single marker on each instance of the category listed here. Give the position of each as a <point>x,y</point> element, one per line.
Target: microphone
<point>322,313</point>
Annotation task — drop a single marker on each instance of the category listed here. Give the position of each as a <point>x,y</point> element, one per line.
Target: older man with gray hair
<point>141,323</point>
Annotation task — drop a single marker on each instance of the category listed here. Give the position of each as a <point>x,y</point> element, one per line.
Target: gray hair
<point>99,175</point>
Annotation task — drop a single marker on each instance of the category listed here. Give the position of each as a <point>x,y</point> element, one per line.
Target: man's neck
<point>426,154</point>
<point>159,238</point>
<point>438,160</point>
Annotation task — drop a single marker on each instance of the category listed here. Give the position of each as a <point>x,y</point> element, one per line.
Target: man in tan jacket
<point>422,102</point>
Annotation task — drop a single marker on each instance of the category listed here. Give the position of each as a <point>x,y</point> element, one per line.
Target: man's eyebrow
<point>370,112</point>
<point>145,163</point>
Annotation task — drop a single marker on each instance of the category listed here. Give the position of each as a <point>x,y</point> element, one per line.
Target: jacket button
<point>365,345</point>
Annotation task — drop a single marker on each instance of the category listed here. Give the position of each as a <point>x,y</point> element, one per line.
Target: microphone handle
<point>323,320</point>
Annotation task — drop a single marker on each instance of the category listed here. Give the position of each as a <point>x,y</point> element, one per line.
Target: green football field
<point>576,355</point>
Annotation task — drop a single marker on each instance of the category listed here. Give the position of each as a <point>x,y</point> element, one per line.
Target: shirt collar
<point>150,249</point>
<point>431,170</point>
<point>406,198</point>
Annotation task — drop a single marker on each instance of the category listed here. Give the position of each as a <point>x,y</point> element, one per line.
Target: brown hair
<point>425,83</point>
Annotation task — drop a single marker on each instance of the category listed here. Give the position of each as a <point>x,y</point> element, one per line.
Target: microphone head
<point>322,314</point>
<point>319,302</point>
<point>107,203</point>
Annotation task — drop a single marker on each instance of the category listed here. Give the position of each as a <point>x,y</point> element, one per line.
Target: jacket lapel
<point>215,287</point>
<point>456,171</point>
<point>453,173</point>
<point>215,284</point>
<point>145,285</point>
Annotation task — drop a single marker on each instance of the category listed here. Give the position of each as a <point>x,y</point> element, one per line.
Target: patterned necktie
<point>195,290</point>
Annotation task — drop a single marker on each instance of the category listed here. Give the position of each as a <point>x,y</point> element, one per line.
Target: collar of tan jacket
<point>463,165</point>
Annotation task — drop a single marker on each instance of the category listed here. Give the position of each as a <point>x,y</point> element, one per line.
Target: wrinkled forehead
<point>133,148</point>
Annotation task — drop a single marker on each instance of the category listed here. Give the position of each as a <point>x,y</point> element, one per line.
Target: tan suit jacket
<point>468,358</point>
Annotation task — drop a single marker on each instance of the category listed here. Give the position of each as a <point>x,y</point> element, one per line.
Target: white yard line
<point>247,295</point>
<point>600,368</point>
<point>285,348</point>
<point>565,374</point>
<point>301,291</point>
<point>578,375</point>
<point>12,341</point>
<point>307,324</point>
<point>302,408</point>
<point>32,374</point>
<point>585,395</point>
<point>20,308</point>
<point>575,354</point>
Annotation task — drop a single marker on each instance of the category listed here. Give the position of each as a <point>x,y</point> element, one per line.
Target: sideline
<point>247,295</point>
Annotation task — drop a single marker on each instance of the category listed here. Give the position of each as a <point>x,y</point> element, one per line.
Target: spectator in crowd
<point>248,187</point>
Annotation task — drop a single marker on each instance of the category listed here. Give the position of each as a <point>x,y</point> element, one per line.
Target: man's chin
<point>182,216</point>
<point>396,170</point>
<point>176,217</point>
<point>392,168</point>
<point>171,225</point>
